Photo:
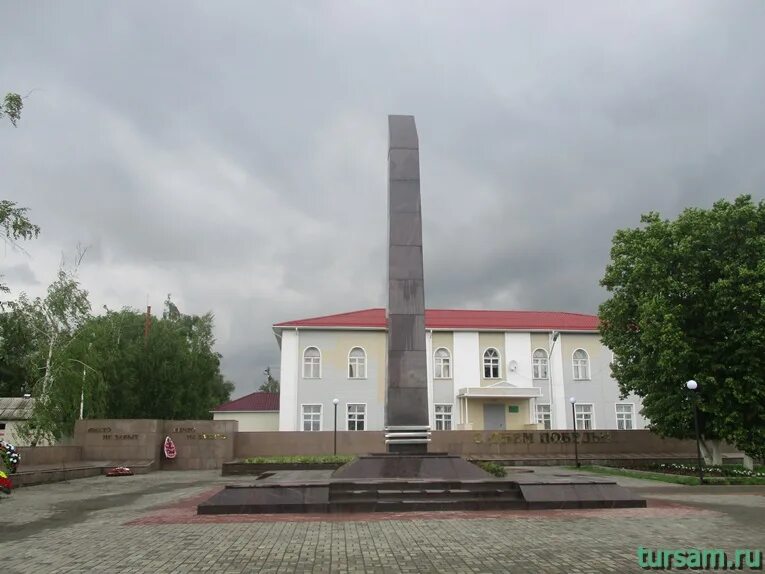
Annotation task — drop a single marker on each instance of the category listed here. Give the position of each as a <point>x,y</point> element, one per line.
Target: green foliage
<point>271,385</point>
<point>491,467</point>
<point>11,107</point>
<point>306,459</point>
<point>173,373</point>
<point>54,348</point>
<point>16,354</point>
<point>688,302</point>
<point>15,225</point>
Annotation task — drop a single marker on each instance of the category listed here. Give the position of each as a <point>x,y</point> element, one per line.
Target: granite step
<point>418,504</point>
<point>425,494</point>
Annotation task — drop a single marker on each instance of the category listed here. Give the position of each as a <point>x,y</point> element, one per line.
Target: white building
<point>486,370</point>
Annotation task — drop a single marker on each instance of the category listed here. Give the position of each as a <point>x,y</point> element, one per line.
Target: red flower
<point>5,483</point>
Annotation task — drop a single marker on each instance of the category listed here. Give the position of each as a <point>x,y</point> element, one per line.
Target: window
<point>357,363</point>
<point>584,417</point>
<point>539,362</point>
<point>625,417</point>
<point>491,364</point>
<point>311,363</point>
<point>581,365</point>
<point>356,416</point>
<point>443,364</point>
<point>311,417</point>
<point>443,417</point>
<point>543,416</point>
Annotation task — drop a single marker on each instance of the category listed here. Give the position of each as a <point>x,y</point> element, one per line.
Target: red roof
<point>460,319</point>
<point>257,401</point>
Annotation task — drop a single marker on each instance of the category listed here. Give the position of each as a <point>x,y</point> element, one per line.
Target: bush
<point>303,459</point>
<point>492,468</point>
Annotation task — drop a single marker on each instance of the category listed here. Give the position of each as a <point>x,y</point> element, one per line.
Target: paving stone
<point>146,524</point>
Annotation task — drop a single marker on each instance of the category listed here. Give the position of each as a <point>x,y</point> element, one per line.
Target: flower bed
<point>727,471</point>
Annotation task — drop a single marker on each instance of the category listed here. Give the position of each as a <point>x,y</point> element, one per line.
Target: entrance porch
<point>501,406</point>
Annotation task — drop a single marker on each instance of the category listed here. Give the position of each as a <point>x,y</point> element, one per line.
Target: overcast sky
<point>234,153</point>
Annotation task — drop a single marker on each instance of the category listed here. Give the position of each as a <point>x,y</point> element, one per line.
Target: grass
<point>671,478</point>
<point>305,459</point>
<point>491,467</point>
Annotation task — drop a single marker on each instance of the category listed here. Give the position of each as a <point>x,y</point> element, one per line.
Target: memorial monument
<point>406,389</point>
<point>407,476</point>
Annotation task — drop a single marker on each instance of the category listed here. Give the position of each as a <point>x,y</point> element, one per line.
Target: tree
<point>271,385</point>
<point>16,354</point>
<point>11,107</point>
<point>13,219</point>
<point>688,302</point>
<point>53,323</point>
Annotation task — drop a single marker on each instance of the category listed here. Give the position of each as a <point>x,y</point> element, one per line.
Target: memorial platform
<point>346,491</point>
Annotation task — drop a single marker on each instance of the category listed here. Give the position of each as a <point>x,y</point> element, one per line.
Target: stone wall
<point>533,443</point>
<point>199,444</point>
<point>540,443</point>
<point>39,455</point>
<point>119,440</point>
<point>208,444</point>
<point>287,443</point>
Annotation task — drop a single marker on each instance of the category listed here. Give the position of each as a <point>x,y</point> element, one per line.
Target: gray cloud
<point>234,154</point>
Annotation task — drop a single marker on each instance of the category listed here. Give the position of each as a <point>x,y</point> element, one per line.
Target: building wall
<point>466,349</point>
<point>251,421</point>
<point>10,433</point>
<point>496,341</point>
<point>444,391</point>
<point>601,390</point>
<point>335,347</point>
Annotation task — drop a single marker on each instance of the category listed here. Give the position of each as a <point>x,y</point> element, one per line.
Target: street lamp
<point>554,337</point>
<point>572,400</point>
<point>692,386</point>
<point>334,402</point>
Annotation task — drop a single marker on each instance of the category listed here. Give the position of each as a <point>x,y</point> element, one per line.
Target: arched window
<point>357,363</point>
<point>581,365</point>
<point>311,363</point>
<point>443,364</point>
<point>491,364</point>
<point>539,363</point>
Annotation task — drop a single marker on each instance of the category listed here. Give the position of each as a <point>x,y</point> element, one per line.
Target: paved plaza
<point>147,523</point>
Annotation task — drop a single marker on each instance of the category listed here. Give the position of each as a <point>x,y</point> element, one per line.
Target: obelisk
<point>406,390</point>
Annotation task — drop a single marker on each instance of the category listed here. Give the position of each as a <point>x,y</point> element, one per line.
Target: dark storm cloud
<point>233,154</point>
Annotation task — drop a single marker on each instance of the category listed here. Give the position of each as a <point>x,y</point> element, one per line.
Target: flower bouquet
<point>119,471</point>
<point>9,456</point>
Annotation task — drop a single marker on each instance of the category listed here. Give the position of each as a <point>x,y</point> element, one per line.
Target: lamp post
<point>554,337</point>
<point>692,386</point>
<point>572,400</point>
<point>334,402</point>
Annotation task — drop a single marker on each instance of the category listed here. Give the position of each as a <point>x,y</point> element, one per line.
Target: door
<point>493,417</point>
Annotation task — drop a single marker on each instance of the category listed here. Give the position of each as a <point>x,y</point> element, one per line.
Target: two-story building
<point>486,370</point>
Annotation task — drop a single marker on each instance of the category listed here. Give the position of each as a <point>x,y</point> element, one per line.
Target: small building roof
<point>16,408</point>
<point>458,319</point>
<point>254,402</point>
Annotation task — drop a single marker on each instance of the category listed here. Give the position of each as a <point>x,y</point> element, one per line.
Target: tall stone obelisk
<point>406,398</point>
